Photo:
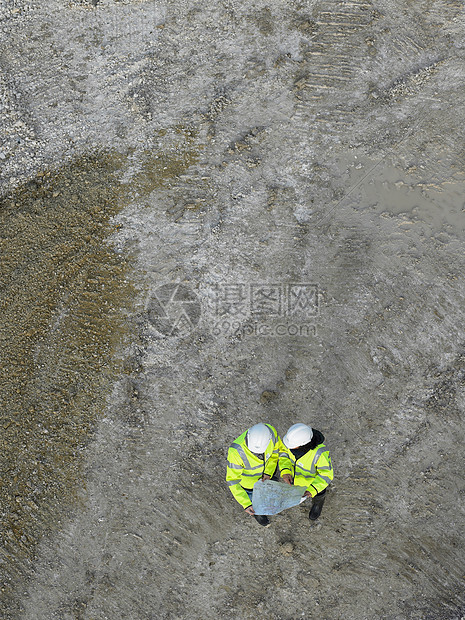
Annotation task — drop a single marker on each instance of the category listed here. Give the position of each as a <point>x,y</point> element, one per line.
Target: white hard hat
<point>298,435</point>
<point>258,437</point>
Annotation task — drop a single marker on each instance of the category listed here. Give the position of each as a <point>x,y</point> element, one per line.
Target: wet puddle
<point>439,206</point>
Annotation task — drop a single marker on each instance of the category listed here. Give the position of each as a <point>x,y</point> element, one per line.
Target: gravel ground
<point>213,216</point>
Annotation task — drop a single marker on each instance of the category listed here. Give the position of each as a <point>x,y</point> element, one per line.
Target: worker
<point>252,456</point>
<point>307,462</point>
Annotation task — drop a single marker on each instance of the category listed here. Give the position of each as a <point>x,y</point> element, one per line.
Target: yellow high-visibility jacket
<point>245,468</point>
<point>313,470</point>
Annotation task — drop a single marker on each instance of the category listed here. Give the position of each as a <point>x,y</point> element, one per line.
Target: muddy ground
<point>212,215</point>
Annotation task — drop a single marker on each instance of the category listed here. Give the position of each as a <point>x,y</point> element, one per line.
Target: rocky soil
<point>214,214</point>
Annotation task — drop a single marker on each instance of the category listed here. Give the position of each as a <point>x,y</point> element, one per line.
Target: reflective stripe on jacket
<point>313,470</point>
<point>245,468</point>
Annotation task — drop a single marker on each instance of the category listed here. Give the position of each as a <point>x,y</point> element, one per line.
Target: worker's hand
<point>250,511</point>
<point>307,494</point>
<point>266,477</point>
<point>287,478</point>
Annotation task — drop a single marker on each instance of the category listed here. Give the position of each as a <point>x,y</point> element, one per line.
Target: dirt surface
<point>214,215</point>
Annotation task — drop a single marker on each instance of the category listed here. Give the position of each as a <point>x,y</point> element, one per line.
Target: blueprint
<point>270,497</point>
